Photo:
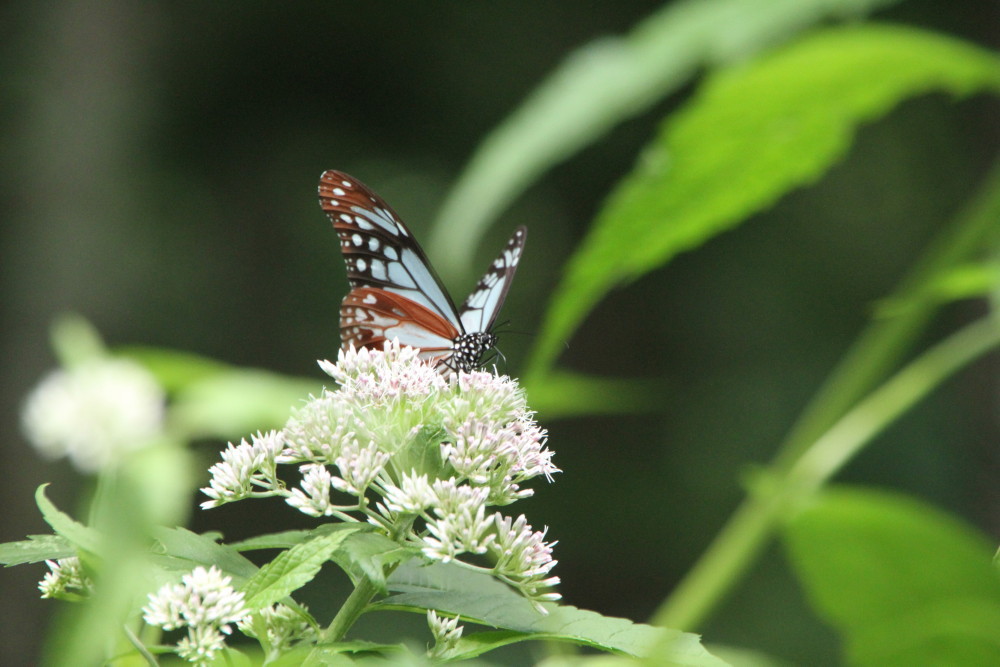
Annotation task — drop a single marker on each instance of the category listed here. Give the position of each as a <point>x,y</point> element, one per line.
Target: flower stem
<point>743,537</point>
<point>353,607</point>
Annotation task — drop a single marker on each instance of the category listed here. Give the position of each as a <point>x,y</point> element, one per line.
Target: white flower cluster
<point>446,632</point>
<point>205,604</point>
<point>419,455</point>
<point>94,412</point>
<point>65,579</point>
<point>277,627</point>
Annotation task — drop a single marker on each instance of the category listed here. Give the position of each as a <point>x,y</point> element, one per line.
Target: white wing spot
<point>378,269</point>
<point>372,244</point>
<point>361,265</point>
<point>339,192</point>
<point>370,299</point>
<point>390,252</point>
<point>357,239</point>
<point>346,184</point>
<point>345,217</point>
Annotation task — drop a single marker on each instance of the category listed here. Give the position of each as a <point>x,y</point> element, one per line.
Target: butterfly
<point>395,292</point>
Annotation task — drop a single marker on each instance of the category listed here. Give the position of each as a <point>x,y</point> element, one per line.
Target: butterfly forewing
<point>378,248</point>
<point>480,310</point>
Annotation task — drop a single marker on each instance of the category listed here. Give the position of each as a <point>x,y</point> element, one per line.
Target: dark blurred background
<point>158,171</point>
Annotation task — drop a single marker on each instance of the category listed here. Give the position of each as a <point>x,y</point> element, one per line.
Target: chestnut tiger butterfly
<point>395,292</point>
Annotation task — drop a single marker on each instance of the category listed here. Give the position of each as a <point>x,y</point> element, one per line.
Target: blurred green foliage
<point>159,177</point>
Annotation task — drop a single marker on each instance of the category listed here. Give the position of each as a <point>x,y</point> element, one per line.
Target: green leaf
<point>35,549</point>
<point>75,341</point>
<point>563,394</point>
<point>966,281</point>
<point>193,549</point>
<point>64,525</point>
<point>334,655</point>
<point>367,554</point>
<point>216,400</point>
<point>903,582</point>
<point>291,570</point>
<point>230,404</point>
<point>752,134</point>
<point>363,553</point>
<point>282,540</point>
<point>603,83</point>
<point>173,369</point>
<point>482,599</point>
<point>686,650</point>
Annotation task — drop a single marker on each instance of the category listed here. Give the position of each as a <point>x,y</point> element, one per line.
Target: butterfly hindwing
<point>480,310</point>
<point>379,250</point>
<point>369,317</point>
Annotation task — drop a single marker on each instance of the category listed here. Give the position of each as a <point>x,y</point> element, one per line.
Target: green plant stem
<point>353,607</point>
<point>752,524</point>
<point>885,342</point>
<point>870,358</point>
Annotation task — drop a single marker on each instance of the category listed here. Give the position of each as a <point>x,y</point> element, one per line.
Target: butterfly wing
<point>379,250</point>
<point>480,310</point>
<point>369,317</point>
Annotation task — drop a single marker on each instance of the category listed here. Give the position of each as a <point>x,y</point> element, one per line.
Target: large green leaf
<point>604,83</point>
<point>903,582</point>
<point>752,134</point>
<point>188,550</point>
<point>481,598</point>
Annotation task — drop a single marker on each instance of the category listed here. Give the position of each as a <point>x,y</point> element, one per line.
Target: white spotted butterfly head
<point>395,292</point>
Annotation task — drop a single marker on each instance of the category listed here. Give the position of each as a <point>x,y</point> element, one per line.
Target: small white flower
<point>65,577</point>
<point>446,631</point>
<point>206,604</point>
<point>318,430</point>
<point>201,644</point>
<point>282,624</point>
<point>395,373</point>
<point>314,496</point>
<point>468,530</point>
<point>359,466</point>
<point>524,559</point>
<point>244,468</point>
<point>94,413</point>
<point>460,524</point>
<point>414,494</point>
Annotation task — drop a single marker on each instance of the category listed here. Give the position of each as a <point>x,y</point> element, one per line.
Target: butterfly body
<point>395,292</point>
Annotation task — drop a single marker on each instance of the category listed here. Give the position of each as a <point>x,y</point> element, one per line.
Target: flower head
<point>244,468</point>
<point>94,412</point>
<point>65,579</point>
<point>280,626</point>
<point>206,604</point>
<point>422,457</point>
<point>446,631</point>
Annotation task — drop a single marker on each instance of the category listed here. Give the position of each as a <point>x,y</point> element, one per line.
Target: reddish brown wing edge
<point>363,307</point>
